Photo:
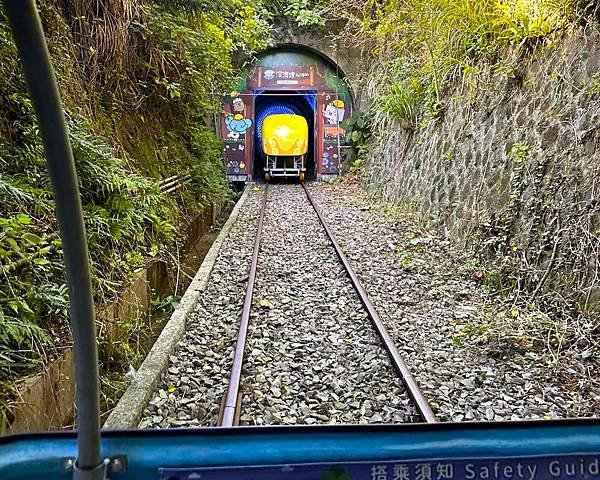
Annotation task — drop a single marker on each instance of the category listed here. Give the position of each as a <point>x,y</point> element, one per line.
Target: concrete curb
<point>128,412</point>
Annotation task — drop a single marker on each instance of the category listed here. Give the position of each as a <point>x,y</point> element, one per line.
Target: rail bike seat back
<point>557,450</point>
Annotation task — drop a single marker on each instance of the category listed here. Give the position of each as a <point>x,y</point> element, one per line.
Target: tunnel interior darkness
<point>286,101</point>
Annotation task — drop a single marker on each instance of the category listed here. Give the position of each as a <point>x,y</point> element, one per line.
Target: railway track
<point>230,411</point>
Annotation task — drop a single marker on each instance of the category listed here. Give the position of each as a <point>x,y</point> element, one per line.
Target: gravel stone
<point>417,281</point>
<point>311,348</point>
<point>205,353</point>
<point>312,355</point>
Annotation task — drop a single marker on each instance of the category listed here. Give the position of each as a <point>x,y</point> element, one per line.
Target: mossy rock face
<point>135,115</point>
<point>526,160</point>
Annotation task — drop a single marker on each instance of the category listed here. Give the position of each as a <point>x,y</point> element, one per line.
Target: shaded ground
<point>477,356</point>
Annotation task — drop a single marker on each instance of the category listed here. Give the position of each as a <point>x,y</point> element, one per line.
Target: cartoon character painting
<point>237,123</point>
<point>237,105</point>
<point>334,112</point>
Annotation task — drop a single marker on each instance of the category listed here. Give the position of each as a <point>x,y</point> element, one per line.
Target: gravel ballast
<point>475,355</point>
<point>190,392</point>
<point>312,355</point>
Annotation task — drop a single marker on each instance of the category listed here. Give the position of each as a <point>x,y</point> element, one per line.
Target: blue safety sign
<point>562,467</point>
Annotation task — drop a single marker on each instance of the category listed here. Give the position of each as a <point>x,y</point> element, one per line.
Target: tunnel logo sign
<point>279,74</point>
<point>286,76</point>
<point>560,467</point>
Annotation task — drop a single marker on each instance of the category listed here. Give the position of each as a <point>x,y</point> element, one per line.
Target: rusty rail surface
<point>230,408</point>
<point>229,415</point>
<point>408,380</point>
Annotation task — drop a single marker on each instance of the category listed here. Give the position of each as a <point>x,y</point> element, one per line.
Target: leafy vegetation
<point>536,248</point>
<point>306,13</point>
<point>418,47</point>
<point>359,132</point>
<point>142,82</point>
<point>436,42</point>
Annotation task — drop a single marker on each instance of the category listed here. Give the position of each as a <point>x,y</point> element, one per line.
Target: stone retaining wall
<point>512,167</point>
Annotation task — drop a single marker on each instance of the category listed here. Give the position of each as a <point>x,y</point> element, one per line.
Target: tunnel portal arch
<point>305,81</point>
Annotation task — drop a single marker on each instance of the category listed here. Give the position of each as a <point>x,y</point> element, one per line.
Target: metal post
<point>29,37</point>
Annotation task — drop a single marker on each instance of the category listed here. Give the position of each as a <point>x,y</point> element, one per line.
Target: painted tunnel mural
<point>286,81</point>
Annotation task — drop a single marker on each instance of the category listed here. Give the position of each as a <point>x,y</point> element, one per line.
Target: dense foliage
<point>441,41</point>
<point>536,233</point>
<point>142,82</point>
<point>416,48</point>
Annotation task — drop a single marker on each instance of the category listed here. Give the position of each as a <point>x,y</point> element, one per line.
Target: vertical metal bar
<point>232,399</point>
<point>410,383</point>
<point>29,37</point>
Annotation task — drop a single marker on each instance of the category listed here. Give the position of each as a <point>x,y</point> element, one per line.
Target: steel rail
<point>230,409</point>
<point>408,380</point>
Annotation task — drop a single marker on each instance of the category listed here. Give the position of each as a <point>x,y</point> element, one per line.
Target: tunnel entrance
<point>267,102</point>
<point>282,81</point>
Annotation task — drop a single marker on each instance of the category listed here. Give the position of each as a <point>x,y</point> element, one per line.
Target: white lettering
<point>554,468</point>
<point>594,468</point>
<point>532,471</point>
<point>423,471</point>
<point>444,471</point>
<point>508,471</point>
<point>379,472</point>
<point>469,472</point>
<point>401,472</point>
<point>570,469</point>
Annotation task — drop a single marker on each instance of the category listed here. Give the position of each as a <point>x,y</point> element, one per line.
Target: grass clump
<point>419,47</point>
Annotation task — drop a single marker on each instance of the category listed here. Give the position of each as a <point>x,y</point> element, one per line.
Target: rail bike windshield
<point>563,450</point>
<point>423,450</point>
